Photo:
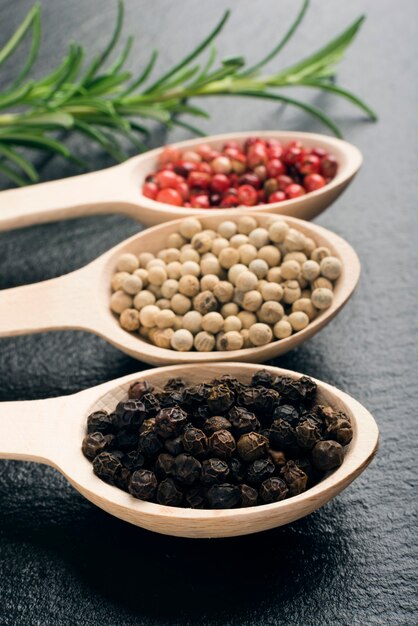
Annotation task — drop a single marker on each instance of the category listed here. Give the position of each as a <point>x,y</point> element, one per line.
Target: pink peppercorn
<point>169,196</point>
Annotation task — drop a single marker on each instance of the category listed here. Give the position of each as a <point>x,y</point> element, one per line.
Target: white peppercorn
<point>202,242</point>
<point>246,281</point>
<point>162,337</point>
<point>218,340</point>
<point>231,340</point>
<point>298,320</point>
<point>295,240</point>
<point>223,291</point>
<point>320,253</point>
<point>252,301</point>
<point>238,240</point>
<point>163,303</point>
<point>278,231</point>
<point>127,262</point>
<point>147,315</point>
<point>142,273</point>
<point>322,282</point>
<point>155,263</point>
<point>227,229</point>
<point>271,291</point>
<point>212,322</point>
<point>331,267</point>
<point>156,290</point>
<point>132,285</point>
<point>208,282</point>
<point>169,288</point>
<point>180,304</point>
<point>205,302</point>
<point>247,319</point>
<point>247,253</point>
<point>204,342</point>
<point>189,254</point>
<point>129,319</point>
<point>270,312</point>
<point>282,329</point>
<point>119,301</point>
<point>178,322</point>
<point>143,298</point>
<point>305,293</point>
<point>305,305</point>
<point>144,258</point>
<point>117,280</point>
<point>228,257</point>
<point>300,257</point>
<point>303,283</point>
<point>238,297</point>
<point>310,246</point>
<point>192,321</point>
<point>229,309</point>
<point>175,240</point>
<point>164,318</point>
<point>182,340</point>
<point>245,334</point>
<point>157,275</point>
<point>291,291</point>
<point>174,270</point>
<point>232,322</point>
<point>259,267</point>
<point>290,270</point>
<point>259,237</point>
<point>143,331</point>
<point>322,298</point>
<point>260,334</point>
<point>235,271</point>
<point>274,275</point>
<point>190,267</point>
<point>189,227</point>
<point>210,265</point>
<point>219,244</point>
<point>246,224</point>
<point>310,270</point>
<point>270,254</point>
<point>189,285</point>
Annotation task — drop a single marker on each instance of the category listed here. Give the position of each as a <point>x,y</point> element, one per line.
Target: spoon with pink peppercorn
<point>292,173</point>
<point>51,431</point>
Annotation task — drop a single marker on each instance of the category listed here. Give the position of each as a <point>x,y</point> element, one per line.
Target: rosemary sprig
<point>107,103</point>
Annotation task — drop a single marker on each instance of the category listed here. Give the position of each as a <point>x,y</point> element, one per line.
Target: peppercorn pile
<point>240,286</point>
<point>217,445</point>
<point>258,172</point>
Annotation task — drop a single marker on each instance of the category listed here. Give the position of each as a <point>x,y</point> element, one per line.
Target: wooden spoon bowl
<point>51,431</point>
<point>80,300</point>
<point>118,189</point>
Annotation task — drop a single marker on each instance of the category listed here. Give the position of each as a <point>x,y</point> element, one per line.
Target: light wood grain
<point>80,300</point>
<point>50,431</point>
<point>118,189</point>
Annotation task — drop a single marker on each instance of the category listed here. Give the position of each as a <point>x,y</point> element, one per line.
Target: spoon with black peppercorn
<point>118,188</point>
<point>80,300</point>
<point>51,431</point>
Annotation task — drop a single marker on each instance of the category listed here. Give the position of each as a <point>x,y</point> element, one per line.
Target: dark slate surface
<point>63,561</point>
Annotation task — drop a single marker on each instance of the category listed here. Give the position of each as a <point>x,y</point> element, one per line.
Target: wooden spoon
<point>80,300</point>
<point>51,431</point>
<point>118,189</point>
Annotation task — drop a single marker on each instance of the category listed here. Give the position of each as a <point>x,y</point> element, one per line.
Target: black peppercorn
<point>339,428</point>
<point>216,422</point>
<point>133,460</point>
<point>174,446</point>
<point>195,395</point>
<point>278,457</point>
<point>149,443</point>
<point>282,435</point>
<point>249,495</point>
<point>186,469</point>
<point>286,412</point>
<point>170,422</point>
<point>143,484</point>
<point>151,404</point>
<point>168,399</point>
<point>243,421</point>
<point>260,470</point>
<point>327,455</point>
<point>220,399</point>
<point>195,441</point>
<point>295,478</point>
<point>138,389</point>
<point>130,414</point>
<point>237,470</point>
<point>196,497</point>
<point>125,440</point>
<point>273,490</point>
<point>94,443</point>
<point>222,444</point>
<point>223,496</point>
<point>101,422</point>
<point>164,465</point>
<point>214,471</point>
<point>174,384</point>
<point>252,446</point>
<point>168,493</point>
<point>307,434</point>
<point>107,466</point>
<point>262,378</point>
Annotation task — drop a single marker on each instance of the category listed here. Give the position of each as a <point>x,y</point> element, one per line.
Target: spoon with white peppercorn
<point>118,188</point>
<point>83,300</point>
<point>51,431</point>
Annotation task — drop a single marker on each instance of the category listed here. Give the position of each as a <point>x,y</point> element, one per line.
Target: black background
<point>65,562</point>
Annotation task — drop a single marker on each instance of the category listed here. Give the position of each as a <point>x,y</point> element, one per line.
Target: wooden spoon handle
<point>28,429</point>
<point>105,191</point>
<point>59,303</point>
